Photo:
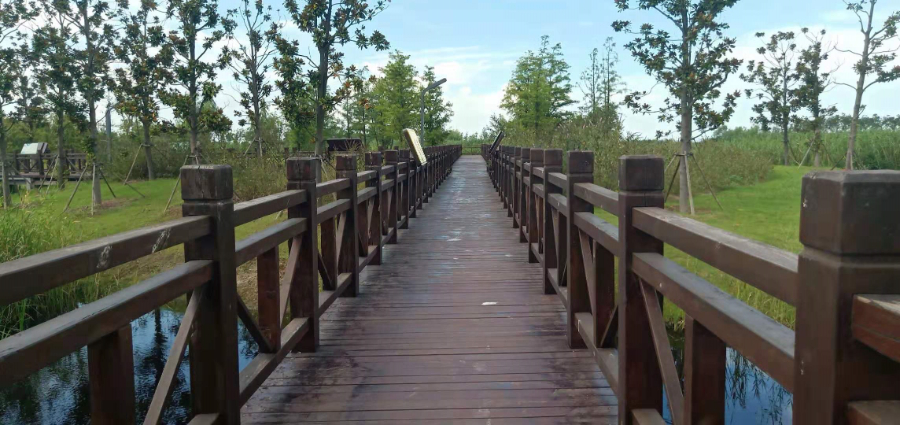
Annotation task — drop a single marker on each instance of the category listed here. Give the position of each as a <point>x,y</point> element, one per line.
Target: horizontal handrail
<point>763,266</point>
<point>35,274</point>
<point>248,211</point>
<point>331,186</point>
<point>598,196</point>
<point>331,210</point>
<point>254,245</point>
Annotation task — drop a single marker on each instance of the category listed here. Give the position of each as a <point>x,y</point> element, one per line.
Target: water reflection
<point>59,393</point>
<point>751,396</point>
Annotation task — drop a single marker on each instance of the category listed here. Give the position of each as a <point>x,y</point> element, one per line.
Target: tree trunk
<point>817,145</point>
<point>787,143</point>
<point>147,150</point>
<point>7,199</point>
<point>62,173</point>
<point>860,89</point>
<point>686,132</point>
<point>321,93</point>
<point>96,196</point>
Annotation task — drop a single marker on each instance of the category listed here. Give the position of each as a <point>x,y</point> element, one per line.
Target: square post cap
<point>206,183</point>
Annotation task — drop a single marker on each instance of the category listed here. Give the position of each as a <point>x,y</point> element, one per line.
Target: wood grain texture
<point>452,328</point>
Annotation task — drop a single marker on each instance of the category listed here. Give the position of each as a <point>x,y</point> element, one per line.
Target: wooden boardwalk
<point>453,328</point>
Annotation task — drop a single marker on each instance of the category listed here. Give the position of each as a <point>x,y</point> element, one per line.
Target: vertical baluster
<point>849,228</point>
<point>552,245</point>
<point>704,375</point>
<point>523,197</point>
<point>304,291</point>
<point>392,158</point>
<point>640,185</point>
<point>404,189</point>
<point>207,190</point>
<point>374,231</point>
<point>111,374</point>
<point>534,204</point>
<point>516,190</point>
<point>348,257</point>
<point>581,170</point>
<point>269,299</point>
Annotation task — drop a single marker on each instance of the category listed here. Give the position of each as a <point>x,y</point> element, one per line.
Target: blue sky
<point>475,44</point>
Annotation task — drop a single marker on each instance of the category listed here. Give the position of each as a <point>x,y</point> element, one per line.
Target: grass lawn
<point>768,212</point>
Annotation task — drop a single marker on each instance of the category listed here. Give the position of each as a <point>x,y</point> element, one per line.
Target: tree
<point>333,24</point>
<point>57,74</point>
<point>776,76</point>
<point>692,64</point>
<point>590,86</point>
<point>30,102</point>
<point>90,19</point>
<point>194,86</point>
<point>297,97</point>
<point>539,90</point>
<point>250,61</point>
<point>12,15</point>
<point>396,99</point>
<point>437,111</point>
<point>813,82</point>
<point>874,60</point>
<point>145,73</point>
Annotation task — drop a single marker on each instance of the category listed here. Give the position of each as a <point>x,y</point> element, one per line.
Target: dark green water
<point>58,394</point>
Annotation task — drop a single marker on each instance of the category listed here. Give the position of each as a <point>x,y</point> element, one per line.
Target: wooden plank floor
<point>452,328</point>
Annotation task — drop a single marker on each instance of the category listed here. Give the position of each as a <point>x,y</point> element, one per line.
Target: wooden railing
<point>843,361</point>
<point>354,229</point>
<point>43,164</point>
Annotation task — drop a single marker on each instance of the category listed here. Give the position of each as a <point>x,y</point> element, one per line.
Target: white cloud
<point>472,111</point>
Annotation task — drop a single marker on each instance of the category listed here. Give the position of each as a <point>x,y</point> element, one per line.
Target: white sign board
<point>32,148</point>
<point>412,139</point>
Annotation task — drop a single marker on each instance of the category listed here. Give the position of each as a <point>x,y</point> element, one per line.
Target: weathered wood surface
<point>453,328</point>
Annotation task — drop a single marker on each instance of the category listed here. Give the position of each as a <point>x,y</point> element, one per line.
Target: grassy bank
<point>38,224</point>
<point>768,212</point>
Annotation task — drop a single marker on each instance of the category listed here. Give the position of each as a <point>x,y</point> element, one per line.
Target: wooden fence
<point>329,243</point>
<point>841,363</point>
<point>41,165</point>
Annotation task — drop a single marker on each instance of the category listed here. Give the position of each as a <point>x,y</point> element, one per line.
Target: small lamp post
<point>430,87</point>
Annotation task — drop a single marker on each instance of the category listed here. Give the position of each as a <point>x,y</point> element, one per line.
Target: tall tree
<point>538,92</point>
<point>57,74</point>
<point>396,99</point>
<point>12,16</point>
<point>591,86</point>
<point>30,100</point>
<point>332,24</point>
<point>145,73</point>
<point>776,77</point>
<point>297,97</point>
<point>814,81</point>
<point>437,110</point>
<point>198,28</point>
<point>90,19</point>
<point>692,63</point>
<point>875,60</point>
<point>250,61</point>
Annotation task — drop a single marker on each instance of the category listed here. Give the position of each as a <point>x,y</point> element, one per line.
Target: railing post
<point>640,382</point>
<point>510,177</point>
<point>850,229</point>
<point>553,243</point>
<point>392,158</point>
<point>111,371</point>
<point>523,197</point>
<point>581,170</point>
<point>516,191</point>
<point>348,257</point>
<point>404,190</point>
<point>374,232</point>
<point>304,293</point>
<point>420,186</point>
<point>534,207</point>
<point>207,190</point>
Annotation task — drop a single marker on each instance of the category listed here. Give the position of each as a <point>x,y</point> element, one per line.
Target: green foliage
<point>538,92</point>
<point>395,98</point>
<point>692,63</point>
<point>776,78</point>
<point>333,24</point>
<point>814,81</point>
<point>600,83</point>
<point>437,111</point>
